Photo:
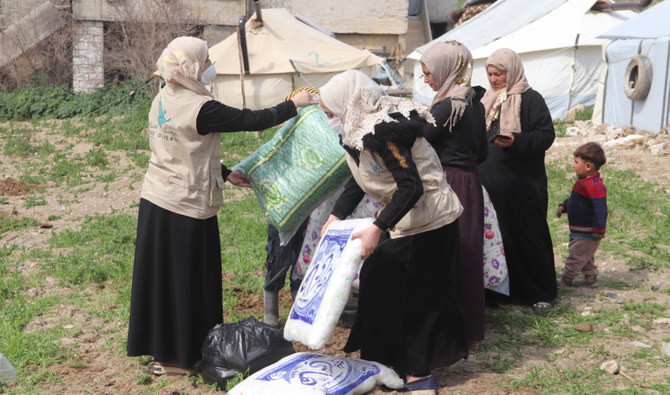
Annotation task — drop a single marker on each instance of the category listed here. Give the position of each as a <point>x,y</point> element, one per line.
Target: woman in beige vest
<point>176,293</point>
<point>409,313</point>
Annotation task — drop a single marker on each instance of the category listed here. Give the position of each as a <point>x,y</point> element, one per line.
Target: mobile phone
<point>499,136</point>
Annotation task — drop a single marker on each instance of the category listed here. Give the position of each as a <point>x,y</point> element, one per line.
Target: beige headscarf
<point>183,61</point>
<point>450,63</point>
<point>505,104</point>
<point>361,104</point>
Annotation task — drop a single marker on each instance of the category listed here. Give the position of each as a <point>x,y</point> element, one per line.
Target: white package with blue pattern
<point>325,289</point>
<point>310,374</point>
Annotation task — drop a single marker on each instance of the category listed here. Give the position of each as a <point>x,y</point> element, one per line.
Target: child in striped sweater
<point>587,216</point>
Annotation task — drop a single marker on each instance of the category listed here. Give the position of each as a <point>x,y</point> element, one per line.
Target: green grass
<point>88,267</point>
<point>637,225</point>
<point>9,223</point>
<point>574,380</point>
<point>113,237</point>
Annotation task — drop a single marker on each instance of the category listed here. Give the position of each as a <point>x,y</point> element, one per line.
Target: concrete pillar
<point>87,54</point>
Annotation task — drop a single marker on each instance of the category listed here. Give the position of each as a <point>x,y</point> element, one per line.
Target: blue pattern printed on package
<point>315,283</point>
<point>331,375</point>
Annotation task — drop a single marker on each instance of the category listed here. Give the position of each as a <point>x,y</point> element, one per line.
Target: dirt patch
<point>12,187</point>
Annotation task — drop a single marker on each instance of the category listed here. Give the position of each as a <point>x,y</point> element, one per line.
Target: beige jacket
<point>438,206</point>
<point>184,174</point>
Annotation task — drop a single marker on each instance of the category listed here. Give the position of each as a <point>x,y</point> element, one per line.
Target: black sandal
<point>542,307</point>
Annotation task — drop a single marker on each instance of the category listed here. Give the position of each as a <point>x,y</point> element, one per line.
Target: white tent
<point>556,40</point>
<point>284,54</point>
<point>645,35</point>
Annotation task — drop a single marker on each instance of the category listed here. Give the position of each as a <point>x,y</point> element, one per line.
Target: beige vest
<point>184,174</point>
<point>438,206</point>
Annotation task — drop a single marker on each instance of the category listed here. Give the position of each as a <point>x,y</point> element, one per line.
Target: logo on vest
<point>161,115</point>
<point>374,167</point>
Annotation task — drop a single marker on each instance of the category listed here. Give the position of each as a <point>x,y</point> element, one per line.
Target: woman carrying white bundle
<point>409,314</point>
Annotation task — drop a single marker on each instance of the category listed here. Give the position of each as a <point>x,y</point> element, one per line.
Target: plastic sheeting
<point>310,374</point>
<point>297,169</point>
<point>646,34</point>
<point>6,370</point>
<point>649,24</point>
<point>652,113</point>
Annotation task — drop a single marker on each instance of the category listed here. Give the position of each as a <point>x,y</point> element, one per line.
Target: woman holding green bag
<point>176,293</point>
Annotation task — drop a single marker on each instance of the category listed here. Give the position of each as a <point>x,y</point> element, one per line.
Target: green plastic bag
<point>297,169</point>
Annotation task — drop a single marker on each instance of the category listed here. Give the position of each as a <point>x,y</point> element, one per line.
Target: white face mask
<point>208,75</point>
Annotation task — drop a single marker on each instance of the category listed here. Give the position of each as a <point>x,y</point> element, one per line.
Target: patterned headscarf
<point>450,63</point>
<point>183,61</point>
<point>505,104</point>
<point>361,104</point>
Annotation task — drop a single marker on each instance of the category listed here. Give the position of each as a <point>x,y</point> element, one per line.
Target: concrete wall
<point>384,19</point>
<point>355,16</point>
<point>13,10</point>
<point>214,12</point>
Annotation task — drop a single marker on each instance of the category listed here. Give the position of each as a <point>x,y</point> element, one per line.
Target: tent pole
<point>239,51</point>
<point>666,103</point>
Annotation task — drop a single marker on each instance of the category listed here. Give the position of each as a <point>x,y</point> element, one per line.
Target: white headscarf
<point>361,104</point>
<point>339,89</point>
<point>183,61</point>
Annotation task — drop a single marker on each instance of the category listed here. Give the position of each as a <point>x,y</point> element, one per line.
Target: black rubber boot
<point>271,303</point>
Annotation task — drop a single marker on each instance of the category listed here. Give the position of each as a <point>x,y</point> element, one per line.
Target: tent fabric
<point>561,53</point>
<point>493,23</point>
<point>568,25</point>
<point>284,54</point>
<point>651,23</point>
<point>613,107</point>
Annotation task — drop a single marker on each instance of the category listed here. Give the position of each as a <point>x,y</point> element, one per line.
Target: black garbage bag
<point>234,348</point>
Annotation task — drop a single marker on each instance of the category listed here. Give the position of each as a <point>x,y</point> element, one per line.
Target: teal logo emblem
<point>374,167</point>
<point>161,114</point>
<point>316,59</point>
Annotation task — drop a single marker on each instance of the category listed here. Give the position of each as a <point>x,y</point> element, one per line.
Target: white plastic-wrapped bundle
<point>6,370</point>
<point>310,374</point>
<point>495,263</point>
<point>366,208</point>
<point>325,289</point>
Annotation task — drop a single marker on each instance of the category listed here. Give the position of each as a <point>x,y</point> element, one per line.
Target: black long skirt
<point>409,310</point>
<point>176,293</point>
<point>520,201</point>
<point>468,188</point>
